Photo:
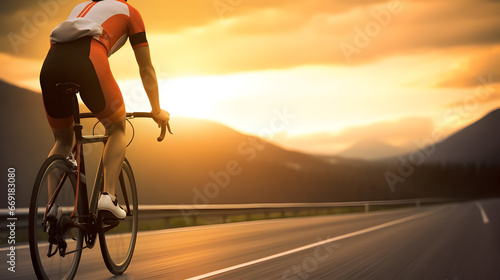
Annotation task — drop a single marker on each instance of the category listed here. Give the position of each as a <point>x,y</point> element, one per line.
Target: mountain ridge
<point>360,149</point>
<point>477,143</point>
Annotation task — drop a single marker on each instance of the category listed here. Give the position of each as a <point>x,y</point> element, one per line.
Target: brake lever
<point>164,128</point>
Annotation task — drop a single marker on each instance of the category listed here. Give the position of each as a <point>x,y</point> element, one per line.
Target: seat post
<point>76,115</point>
<point>72,89</point>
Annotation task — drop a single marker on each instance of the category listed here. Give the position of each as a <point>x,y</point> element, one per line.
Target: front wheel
<point>55,245</point>
<point>118,243</point>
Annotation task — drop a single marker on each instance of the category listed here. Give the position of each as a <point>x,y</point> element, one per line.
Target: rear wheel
<point>118,243</point>
<point>55,246</point>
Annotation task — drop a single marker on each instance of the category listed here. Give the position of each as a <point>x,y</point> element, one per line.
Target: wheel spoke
<point>55,245</point>
<point>118,238</point>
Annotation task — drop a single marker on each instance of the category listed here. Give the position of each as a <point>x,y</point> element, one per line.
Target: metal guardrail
<point>192,211</point>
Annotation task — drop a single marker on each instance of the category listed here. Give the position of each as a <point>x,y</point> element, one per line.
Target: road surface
<point>452,241</point>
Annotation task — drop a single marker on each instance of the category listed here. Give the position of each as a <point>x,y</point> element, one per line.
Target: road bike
<point>62,222</point>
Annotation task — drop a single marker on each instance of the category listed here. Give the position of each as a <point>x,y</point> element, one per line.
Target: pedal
<point>107,223</point>
<point>107,215</point>
<point>110,223</point>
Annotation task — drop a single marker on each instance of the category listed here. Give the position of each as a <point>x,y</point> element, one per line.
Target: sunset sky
<point>317,76</point>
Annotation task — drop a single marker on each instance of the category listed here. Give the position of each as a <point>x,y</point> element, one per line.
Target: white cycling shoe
<point>109,207</point>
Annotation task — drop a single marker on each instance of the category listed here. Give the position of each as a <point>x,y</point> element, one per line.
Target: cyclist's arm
<point>150,82</point>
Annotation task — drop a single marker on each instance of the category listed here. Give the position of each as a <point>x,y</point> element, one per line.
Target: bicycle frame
<point>91,224</point>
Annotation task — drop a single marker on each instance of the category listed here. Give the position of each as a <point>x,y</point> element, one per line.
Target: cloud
<point>26,25</point>
<point>19,75</point>
<point>423,27</point>
<point>480,69</point>
<point>285,35</point>
<point>196,37</point>
<point>9,7</point>
<point>485,97</point>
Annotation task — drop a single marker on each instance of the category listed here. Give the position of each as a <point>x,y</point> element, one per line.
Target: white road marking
<point>483,213</point>
<point>344,236</point>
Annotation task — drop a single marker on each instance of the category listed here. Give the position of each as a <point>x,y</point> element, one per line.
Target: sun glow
<point>321,98</point>
<point>197,96</point>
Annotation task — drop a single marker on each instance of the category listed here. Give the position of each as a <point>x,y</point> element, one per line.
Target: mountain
<point>370,150</point>
<point>478,143</point>
<point>26,137</point>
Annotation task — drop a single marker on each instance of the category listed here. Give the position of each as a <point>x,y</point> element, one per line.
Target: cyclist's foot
<point>109,208</point>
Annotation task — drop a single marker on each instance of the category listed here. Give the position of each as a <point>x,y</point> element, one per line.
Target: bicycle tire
<point>55,267</point>
<point>118,244</point>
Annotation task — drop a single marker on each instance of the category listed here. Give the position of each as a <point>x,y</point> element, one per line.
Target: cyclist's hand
<point>162,117</point>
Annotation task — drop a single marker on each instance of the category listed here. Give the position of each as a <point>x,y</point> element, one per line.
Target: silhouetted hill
<point>26,137</point>
<point>478,143</point>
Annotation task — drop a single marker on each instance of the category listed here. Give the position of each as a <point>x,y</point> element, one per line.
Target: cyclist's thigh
<point>85,62</point>
<point>55,70</point>
<point>114,108</point>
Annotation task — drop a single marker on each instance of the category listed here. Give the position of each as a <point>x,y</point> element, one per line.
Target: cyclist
<point>80,47</point>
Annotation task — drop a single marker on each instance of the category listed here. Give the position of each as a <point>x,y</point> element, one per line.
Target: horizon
<point>325,76</point>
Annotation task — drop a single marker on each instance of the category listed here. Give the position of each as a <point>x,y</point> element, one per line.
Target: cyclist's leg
<point>62,146</point>
<point>63,141</point>
<point>113,155</point>
<point>112,116</point>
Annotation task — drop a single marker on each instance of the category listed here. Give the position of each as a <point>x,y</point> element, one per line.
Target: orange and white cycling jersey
<point>80,47</point>
<point>111,22</point>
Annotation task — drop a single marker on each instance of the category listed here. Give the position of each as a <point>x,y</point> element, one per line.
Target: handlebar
<point>164,126</point>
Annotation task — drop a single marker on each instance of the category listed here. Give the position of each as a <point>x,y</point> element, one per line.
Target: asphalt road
<point>445,242</point>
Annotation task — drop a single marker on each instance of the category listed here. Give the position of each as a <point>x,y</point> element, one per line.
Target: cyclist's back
<point>80,49</point>
<point>109,22</point>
